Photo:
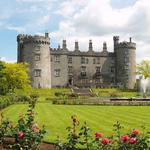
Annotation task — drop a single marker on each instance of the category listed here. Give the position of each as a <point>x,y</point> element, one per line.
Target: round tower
<point>125,64</point>
<point>35,51</point>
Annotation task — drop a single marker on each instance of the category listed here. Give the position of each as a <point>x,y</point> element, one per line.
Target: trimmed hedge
<point>11,98</point>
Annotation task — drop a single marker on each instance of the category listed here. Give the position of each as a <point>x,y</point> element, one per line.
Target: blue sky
<point>74,20</point>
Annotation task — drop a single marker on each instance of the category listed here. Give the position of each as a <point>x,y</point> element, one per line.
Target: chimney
<point>64,45</point>
<point>90,45</point>
<point>130,40</point>
<point>46,35</point>
<point>76,46</point>
<point>58,46</point>
<point>104,46</point>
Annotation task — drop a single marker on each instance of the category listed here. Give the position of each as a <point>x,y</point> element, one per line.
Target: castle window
<point>37,72</point>
<point>37,47</point>
<point>57,58</point>
<point>37,57</point>
<point>87,60</point>
<point>82,60</point>
<point>57,72</point>
<point>69,60</point>
<point>83,70</point>
<point>98,69</point>
<point>70,69</point>
<point>112,69</point>
<point>98,72</point>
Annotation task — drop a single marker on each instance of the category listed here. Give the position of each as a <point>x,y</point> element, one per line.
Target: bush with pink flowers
<point>26,133</point>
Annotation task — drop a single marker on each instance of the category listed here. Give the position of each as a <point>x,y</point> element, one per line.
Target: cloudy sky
<point>72,20</point>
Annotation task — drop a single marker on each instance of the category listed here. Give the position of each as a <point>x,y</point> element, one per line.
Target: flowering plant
<point>82,139</point>
<point>27,133</point>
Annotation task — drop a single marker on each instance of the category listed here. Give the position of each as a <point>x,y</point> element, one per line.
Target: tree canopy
<point>13,76</point>
<point>143,69</point>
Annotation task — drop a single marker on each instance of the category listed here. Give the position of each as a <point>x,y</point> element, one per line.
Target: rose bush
<point>81,138</point>
<point>27,133</point>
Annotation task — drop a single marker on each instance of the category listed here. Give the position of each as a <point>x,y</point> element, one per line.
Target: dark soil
<point>10,140</point>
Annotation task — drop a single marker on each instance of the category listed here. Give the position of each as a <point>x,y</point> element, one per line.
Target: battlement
<point>125,44</point>
<point>33,39</point>
<point>58,51</point>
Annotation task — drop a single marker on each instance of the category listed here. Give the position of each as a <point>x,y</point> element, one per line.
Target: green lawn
<point>100,118</point>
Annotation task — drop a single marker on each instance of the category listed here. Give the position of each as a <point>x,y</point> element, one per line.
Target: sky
<point>73,20</point>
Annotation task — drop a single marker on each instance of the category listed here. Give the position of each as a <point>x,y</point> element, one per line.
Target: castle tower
<point>125,63</point>
<point>35,51</point>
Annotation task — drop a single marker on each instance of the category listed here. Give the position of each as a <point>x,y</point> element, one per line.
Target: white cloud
<point>18,29</point>
<point>97,20</point>
<point>35,1</point>
<point>69,7</point>
<point>6,60</point>
<point>82,20</point>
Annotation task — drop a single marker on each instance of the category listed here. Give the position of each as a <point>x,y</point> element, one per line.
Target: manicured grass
<point>99,118</point>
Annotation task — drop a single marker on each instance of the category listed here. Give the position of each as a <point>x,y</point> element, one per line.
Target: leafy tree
<point>13,76</point>
<point>3,81</point>
<point>143,69</point>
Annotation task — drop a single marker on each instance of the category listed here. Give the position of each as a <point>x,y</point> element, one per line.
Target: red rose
<point>105,141</point>
<point>132,140</point>
<point>20,135</point>
<point>135,132</point>
<point>98,135</point>
<point>125,138</point>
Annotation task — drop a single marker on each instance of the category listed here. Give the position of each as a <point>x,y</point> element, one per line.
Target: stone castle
<point>60,67</point>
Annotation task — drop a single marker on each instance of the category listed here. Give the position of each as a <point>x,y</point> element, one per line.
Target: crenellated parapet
<point>126,45</point>
<point>33,39</point>
<point>77,52</point>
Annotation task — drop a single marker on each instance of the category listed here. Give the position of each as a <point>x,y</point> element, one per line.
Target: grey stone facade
<point>60,67</point>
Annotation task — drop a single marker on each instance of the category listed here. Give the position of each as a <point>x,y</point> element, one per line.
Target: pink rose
<point>20,135</point>
<point>132,140</point>
<point>125,138</point>
<point>98,135</point>
<point>135,132</point>
<point>105,141</point>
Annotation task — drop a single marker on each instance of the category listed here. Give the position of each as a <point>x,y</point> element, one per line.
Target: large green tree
<point>14,76</point>
<point>143,69</point>
<point>3,81</point>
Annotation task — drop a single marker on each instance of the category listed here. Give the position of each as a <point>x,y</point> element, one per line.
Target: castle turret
<point>125,63</point>
<point>35,51</point>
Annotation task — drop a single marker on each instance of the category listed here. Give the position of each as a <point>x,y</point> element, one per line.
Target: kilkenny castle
<point>61,67</point>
